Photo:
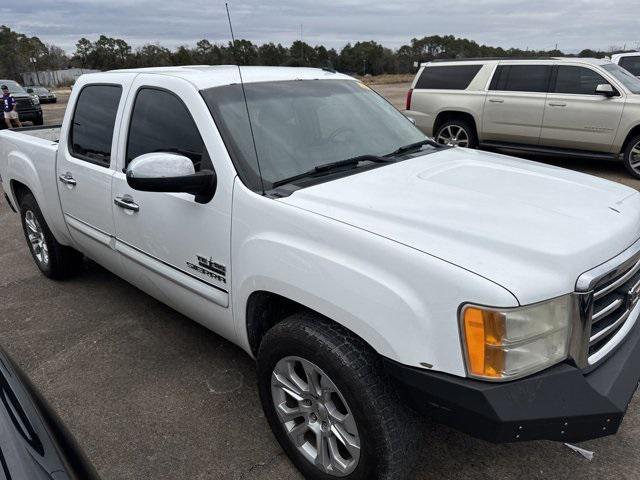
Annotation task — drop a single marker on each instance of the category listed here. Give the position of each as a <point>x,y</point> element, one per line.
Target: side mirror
<point>606,90</point>
<point>169,172</point>
<point>29,90</point>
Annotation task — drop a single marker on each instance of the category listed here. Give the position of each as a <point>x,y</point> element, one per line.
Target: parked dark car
<point>29,109</point>
<point>34,445</point>
<point>44,94</point>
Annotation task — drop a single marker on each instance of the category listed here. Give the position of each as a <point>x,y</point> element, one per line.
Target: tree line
<point>21,53</point>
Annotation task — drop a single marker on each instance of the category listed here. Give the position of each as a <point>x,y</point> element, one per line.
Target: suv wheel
<point>457,133</point>
<point>632,157</point>
<point>54,260</point>
<point>329,403</point>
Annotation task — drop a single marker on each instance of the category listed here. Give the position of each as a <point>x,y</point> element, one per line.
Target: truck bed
<point>28,157</point>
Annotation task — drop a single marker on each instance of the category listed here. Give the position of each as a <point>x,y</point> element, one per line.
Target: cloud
<point>573,24</point>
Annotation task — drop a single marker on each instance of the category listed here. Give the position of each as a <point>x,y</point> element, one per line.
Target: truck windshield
<point>623,76</point>
<point>300,125</point>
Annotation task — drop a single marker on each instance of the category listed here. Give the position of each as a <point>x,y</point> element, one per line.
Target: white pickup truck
<point>365,267</point>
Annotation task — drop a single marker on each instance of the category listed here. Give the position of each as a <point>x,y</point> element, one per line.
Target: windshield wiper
<point>413,146</point>
<point>333,166</point>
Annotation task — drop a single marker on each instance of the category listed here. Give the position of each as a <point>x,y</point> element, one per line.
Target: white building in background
<point>54,78</point>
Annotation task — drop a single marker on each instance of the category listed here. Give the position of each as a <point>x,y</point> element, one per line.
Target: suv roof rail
<point>471,59</point>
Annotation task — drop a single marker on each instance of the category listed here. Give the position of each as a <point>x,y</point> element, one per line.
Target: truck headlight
<point>35,100</point>
<point>504,344</point>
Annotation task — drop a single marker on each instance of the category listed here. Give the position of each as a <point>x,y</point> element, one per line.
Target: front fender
<point>401,301</point>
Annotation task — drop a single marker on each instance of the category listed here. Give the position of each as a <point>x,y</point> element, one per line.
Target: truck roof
<point>208,76</point>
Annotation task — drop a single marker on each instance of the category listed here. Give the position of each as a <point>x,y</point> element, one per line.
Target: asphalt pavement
<point>150,394</point>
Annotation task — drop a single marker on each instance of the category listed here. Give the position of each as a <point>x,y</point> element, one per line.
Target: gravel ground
<point>150,394</point>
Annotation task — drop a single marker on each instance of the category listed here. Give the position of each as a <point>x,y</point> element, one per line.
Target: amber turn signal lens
<point>484,330</point>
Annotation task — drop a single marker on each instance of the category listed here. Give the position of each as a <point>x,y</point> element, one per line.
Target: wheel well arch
<point>632,133</point>
<point>449,115</point>
<point>266,309</point>
<point>19,190</point>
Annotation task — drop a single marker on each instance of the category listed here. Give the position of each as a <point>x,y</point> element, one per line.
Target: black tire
<point>386,428</point>
<point>466,127</point>
<point>61,262</point>
<point>628,156</point>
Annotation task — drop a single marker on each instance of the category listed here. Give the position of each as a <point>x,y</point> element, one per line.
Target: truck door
<point>575,116</point>
<point>176,249</point>
<point>85,164</point>
<point>514,104</point>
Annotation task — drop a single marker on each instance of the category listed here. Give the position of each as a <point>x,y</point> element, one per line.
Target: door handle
<point>68,180</point>
<point>496,100</point>
<point>126,202</point>
<point>557,104</point>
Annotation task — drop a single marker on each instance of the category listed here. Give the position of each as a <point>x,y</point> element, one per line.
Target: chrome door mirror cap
<point>605,89</point>
<point>160,165</point>
<point>173,173</point>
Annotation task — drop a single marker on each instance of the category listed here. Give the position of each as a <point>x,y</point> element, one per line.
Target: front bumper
<point>561,403</point>
<point>30,115</point>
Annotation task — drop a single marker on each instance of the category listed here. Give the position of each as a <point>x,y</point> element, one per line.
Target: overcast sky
<point>535,24</point>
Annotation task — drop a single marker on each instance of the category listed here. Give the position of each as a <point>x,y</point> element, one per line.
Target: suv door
<point>85,165</point>
<point>175,249</point>
<point>514,104</point>
<point>575,116</point>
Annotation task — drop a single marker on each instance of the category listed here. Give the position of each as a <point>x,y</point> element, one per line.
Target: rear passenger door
<point>514,105</point>
<point>575,116</point>
<point>86,162</point>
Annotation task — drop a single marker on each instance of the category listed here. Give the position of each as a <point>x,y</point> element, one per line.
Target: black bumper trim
<point>560,403</point>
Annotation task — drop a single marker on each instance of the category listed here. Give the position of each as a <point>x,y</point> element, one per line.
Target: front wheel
<point>631,157</point>
<point>457,133</point>
<point>330,405</point>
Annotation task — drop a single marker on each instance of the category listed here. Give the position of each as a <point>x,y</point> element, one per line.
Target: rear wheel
<point>632,157</point>
<point>457,133</point>
<point>54,260</point>
<point>329,403</point>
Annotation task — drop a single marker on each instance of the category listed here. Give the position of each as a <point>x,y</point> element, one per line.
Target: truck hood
<point>530,227</point>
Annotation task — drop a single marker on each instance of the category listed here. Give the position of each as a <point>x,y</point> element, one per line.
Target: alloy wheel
<point>315,416</point>
<point>634,158</point>
<point>453,136</point>
<point>37,242</point>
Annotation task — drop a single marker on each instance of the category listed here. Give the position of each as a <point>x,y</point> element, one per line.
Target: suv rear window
<point>632,64</point>
<point>93,121</point>
<point>521,78</point>
<point>455,77</point>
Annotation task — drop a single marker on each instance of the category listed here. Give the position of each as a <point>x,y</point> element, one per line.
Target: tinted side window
<point>632,64</point>
<point>457,77</point>
<point>93,121</point>
<point>577,80</point>
<point>160,122</point>
<point>521,78</point>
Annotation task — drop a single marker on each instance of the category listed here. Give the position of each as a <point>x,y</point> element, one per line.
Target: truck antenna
<point>244,95</point>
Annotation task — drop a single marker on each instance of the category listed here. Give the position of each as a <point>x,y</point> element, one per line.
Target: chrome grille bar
<point>618,282</point>
<point>603,312</point>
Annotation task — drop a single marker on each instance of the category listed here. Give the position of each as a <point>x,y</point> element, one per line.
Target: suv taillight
<point>408,103</point>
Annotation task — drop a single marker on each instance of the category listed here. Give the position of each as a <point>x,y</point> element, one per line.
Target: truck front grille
<point>616,305</point>
<point>24,104</point>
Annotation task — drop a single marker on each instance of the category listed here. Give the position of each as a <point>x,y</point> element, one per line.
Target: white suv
<point>629,61</point>
<point>580,107</point>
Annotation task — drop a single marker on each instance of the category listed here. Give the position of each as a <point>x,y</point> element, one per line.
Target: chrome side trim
<point>608,270</point>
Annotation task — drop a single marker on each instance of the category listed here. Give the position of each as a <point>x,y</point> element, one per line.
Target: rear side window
<point>93,121</point>
<point>160,122</point>
<point>456,77</point>
<point>521,78</point>
<point>632,64</point>
<point>577,80</point>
